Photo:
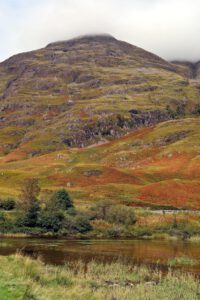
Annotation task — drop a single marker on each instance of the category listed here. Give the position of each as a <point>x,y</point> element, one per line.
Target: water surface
<point>60,251</point>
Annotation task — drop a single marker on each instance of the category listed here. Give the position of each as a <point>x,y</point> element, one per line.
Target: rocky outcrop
<point>114,126</point>
<point>172,138</point>
<point>148,118</point>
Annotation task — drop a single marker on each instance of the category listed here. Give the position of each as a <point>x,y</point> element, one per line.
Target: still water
<point>60,251</point>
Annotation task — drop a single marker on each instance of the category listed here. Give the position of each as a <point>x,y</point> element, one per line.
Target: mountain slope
<point>104,119</point>
<point>81,91</point>
<point>151,166</point>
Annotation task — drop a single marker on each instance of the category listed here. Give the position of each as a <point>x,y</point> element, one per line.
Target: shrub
<point>51,220</point>
<point>76,224</point>
<point>82,224</point>
<point>6,225</point>
<point>139,232</point>
<point>2,217</point>
<point>120,214</point>
<point>8,204</point>
<point>69,224</point>
<point>115,214</point>
<point>100,210</point>
<point>114,232</point>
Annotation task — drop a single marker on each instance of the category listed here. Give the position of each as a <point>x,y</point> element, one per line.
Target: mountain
<point>103,118</point>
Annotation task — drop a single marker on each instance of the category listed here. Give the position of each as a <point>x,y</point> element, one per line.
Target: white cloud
<point>168,28</point>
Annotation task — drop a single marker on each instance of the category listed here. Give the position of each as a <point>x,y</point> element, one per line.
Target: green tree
<point>62,200</point>
<point>58,208</point>
<point>31,217</point>
<point>29,201</point>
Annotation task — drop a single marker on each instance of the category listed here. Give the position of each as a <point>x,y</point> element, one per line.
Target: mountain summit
<point>83,39</point>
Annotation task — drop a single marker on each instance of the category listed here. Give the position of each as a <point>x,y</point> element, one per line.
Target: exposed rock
<point>92,173</point>
<point>172,138</point>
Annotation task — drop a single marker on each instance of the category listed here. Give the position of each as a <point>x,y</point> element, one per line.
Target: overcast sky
<point>169,28</point>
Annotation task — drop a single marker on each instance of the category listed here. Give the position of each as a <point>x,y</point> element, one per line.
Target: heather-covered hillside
<point>103,119</point>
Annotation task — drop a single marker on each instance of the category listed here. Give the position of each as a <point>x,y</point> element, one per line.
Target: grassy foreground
<point>23,278</point>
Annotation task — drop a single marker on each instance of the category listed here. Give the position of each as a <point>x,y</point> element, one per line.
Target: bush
<point>120,214</point>
<point>114,232</point>
<point>82,224</point>
<point>69,224</point>
<point>114,214</point>
<point>51,220</point>
<point>2,217</point>
<point>7,204</point>
<point>100,210</point>
<point>139,232</point>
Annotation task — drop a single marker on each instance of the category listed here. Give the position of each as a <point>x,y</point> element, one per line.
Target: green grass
<point>182,261</point>
<point>23,278</point>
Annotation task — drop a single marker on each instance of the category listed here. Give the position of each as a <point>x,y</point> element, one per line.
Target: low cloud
<point>168,28</point>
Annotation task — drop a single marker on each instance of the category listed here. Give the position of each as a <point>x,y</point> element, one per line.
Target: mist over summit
<point>155,25</point>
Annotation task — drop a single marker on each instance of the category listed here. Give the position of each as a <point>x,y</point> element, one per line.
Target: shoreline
<point>156,236</point>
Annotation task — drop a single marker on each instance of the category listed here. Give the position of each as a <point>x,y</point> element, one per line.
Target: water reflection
<point>137,251</point>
